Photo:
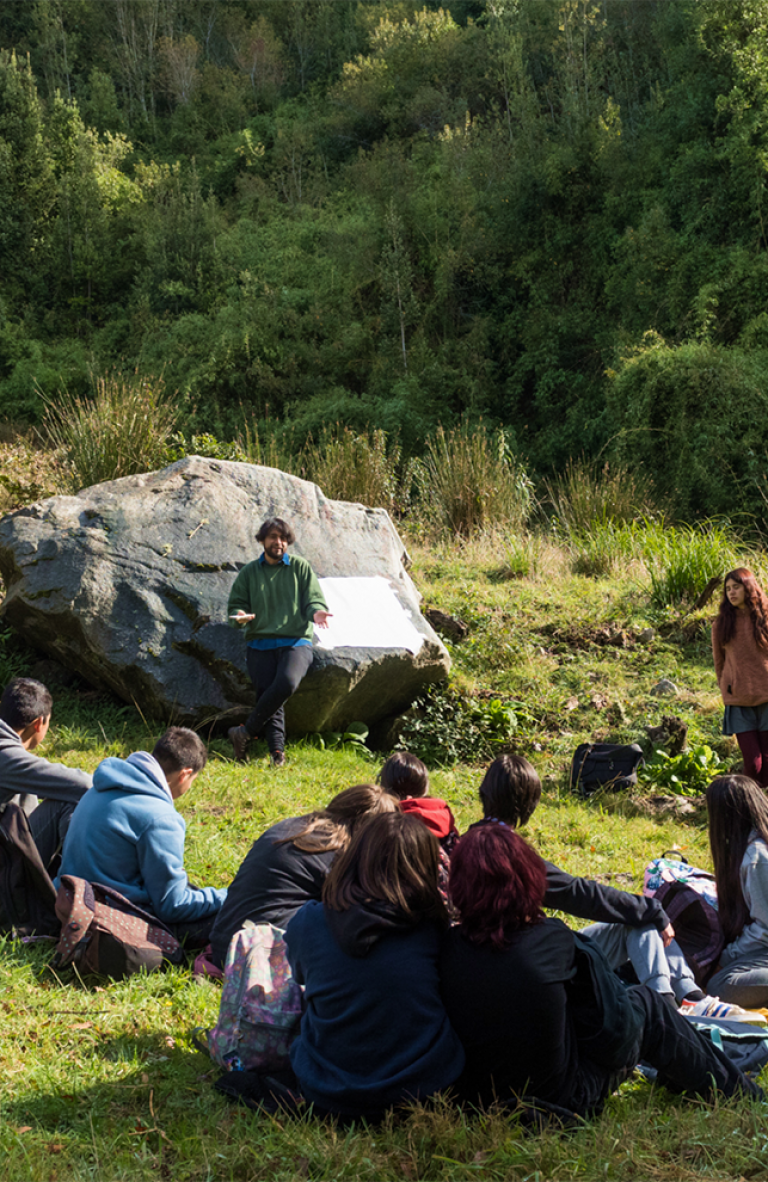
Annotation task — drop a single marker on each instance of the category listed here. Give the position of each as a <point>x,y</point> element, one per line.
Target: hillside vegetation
<point>547,214</point>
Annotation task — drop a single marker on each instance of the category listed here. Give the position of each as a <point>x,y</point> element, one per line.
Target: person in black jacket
<point>539,1013</point>
<point>510,791</point>
<point>288,864</point>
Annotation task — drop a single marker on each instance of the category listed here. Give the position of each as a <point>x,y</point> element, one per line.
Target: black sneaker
<point>278,758</point>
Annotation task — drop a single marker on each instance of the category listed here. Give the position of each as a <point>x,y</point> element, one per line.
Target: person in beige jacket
<point>740,648</point>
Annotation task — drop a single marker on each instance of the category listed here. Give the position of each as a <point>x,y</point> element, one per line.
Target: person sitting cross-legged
<point>538,1010</point>
<point>126,834</point>
<point>47,792</point>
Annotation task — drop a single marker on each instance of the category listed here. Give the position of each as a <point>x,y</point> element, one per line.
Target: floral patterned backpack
<point>261,1004</point>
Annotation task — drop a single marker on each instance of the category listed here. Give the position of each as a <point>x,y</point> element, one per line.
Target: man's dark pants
<point>276,674</point>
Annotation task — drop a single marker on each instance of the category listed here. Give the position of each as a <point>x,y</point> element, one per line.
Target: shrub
<point>682,559</point>
<point>693,417</point>
<point>686,774</point>
<point>124,429</point>
<point>471,480</point>
<point>444,726</point>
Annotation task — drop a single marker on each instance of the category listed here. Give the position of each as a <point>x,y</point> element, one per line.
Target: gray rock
<point>127,583</point>
<point>646,636</point>
<point>663,688</point>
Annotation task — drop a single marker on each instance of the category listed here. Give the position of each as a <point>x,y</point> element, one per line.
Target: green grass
<point>102,1084</point>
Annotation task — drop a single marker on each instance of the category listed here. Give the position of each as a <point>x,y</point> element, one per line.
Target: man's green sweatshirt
<point>283,598</point>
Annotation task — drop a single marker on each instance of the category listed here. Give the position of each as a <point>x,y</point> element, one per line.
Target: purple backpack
<point>689,897</point>
<point>261,1004</point>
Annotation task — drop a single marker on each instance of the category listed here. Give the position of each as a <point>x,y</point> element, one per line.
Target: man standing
<point>279,599</point>
<point>25,715</point>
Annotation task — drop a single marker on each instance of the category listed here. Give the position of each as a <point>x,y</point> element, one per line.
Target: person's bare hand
<point>243,617</point>
<point>667,935</point>
<point>322,618</point>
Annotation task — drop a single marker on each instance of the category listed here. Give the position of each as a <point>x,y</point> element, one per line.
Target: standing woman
<point>740,647</point>
<point>738,838</point>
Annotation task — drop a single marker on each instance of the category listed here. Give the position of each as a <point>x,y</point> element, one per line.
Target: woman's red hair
<point>756,602</point>
<point>497,883</point>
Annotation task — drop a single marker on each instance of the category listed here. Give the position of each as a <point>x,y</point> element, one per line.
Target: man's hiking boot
<point>278,758</point>
<point>239,738</point>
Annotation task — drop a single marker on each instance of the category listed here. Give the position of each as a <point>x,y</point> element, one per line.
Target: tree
<point>27,186</point>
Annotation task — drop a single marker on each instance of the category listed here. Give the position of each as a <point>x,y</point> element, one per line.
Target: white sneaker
<point>713,1007</point>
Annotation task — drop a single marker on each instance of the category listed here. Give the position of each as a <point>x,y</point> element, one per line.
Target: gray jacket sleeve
<point>22,772</point>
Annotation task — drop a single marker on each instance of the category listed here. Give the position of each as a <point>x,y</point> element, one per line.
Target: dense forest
<point>541,214</point>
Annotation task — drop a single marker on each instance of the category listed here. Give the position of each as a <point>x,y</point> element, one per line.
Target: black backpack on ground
<point>27,894</point>
<point>605,765</point>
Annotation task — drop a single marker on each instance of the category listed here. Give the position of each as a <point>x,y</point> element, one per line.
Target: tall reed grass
<point>470,480</point>
<point>124,429</point>
<point>682,559</point>
<point>586,492</point>
<point>361,466</point>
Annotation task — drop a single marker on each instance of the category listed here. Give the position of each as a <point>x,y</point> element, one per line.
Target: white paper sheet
<point>366,614</point>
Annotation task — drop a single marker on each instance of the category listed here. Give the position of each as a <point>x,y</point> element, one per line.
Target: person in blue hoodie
<point>126,834</point>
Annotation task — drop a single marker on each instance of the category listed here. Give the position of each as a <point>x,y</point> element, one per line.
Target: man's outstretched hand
<point>322,618</point>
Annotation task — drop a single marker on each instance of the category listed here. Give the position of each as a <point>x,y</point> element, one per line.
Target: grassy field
<point>103,1083</point>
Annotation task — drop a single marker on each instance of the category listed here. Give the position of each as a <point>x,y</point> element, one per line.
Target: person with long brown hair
<point>740,649</point>
<point>374,1033</point>
<point>536,1006</point>
<point>738,837</point>
<point>288,864</point>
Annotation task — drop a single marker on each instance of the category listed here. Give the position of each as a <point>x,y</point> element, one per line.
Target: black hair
<point>282,527</point>
<point>510,790</point>
<point>23,701</point>
<point>404,775</point>
<point>180,747</point>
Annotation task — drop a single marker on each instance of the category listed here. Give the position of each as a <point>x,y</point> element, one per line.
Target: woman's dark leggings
<point>754,749</point>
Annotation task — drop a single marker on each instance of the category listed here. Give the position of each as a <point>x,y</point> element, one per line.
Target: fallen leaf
<point>81,1026</point>
<point>144,1077</point>
<point>598,701</point>
<point>572,703</point>
<point>55,1147</point>
<point>25,1129</point>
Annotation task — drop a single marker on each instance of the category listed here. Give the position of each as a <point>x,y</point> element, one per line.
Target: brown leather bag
<point>103,933</point>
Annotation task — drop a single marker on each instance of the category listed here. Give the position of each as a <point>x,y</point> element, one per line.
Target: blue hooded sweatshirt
<point>125,833</point>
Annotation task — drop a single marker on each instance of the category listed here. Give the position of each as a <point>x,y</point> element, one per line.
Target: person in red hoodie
<point>406,777</point>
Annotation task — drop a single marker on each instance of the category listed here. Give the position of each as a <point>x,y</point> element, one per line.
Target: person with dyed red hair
<point>740,648</point>
<point>536,1007</point>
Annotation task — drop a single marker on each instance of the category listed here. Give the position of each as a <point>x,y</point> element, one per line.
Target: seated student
<point>126,834</point>
<point>25,715</point>
<point>406,777</point>
<point>375,1032</point>
<point>510,792</point>
<point>288,864</point>
<point>537,1015</point>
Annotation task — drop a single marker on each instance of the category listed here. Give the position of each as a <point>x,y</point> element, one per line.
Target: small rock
<point>451,626</point>
<point>664,688</point>
<point>646,636</point>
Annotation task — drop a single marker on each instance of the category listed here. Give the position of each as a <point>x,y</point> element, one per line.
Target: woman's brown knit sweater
<point>741,667</point>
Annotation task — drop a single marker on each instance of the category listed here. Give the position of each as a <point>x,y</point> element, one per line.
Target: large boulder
<point>127,583</point>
